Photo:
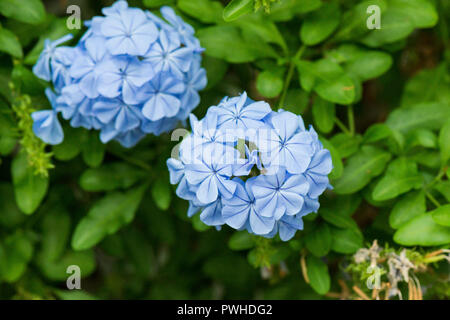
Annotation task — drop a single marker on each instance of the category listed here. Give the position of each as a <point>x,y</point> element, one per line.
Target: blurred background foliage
<point>380,100</point>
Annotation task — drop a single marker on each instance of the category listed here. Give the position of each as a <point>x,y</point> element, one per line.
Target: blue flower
<point>42,67</point>
<point>279,194</point>
<point>240,210</point>
<point>128,31</point>
<point>212,175</point>
<point>285,145</point>
<point>185,31</point>
<point>162,95</point>
<point>90,65</point>
<point>131,74</point>
<point>241,113</point>
<point>46,125</point>
<point>125,76</point>
<point>264,194</point>
<point>167,54</point>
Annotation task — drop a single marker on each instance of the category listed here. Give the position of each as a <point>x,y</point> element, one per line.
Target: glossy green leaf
<point>205,11</point>
<point>441,215</point>
<point>422,231</point>
<point>346,241</point>
<point>28,11</point>
<point>106,217</point>
<point>361,168</point>
<point>93,150</point>
<point>29,188</point>
<point>161,193</point>
<point>400,177</point>
<point>111,176</point>
<point>236,9</point>
<point>269,84</point>
<point>318,275</point>
<point>320,24</point>
<point>9,43</point>
<point>423,115</point>
<point>407,208</point>
<point>15,252</point>
<point>444,143</point>
<point>346,145</point>
<point>421,12</point>
<point>323,114</point>
<point>318,240</point>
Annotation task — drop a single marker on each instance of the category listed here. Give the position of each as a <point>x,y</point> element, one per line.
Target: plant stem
<point>289,74</point>
<point>342,126</point>
<point>351,120</point>
<point>432,199</point>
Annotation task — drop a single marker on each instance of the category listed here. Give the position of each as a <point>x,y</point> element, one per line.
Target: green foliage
<point>379,100</point>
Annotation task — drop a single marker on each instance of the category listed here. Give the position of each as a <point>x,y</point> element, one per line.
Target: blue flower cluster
<point>132,73</point>
<point>251,168</point>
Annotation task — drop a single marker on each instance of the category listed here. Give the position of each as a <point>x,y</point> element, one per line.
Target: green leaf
<point>369,65</point>
<point>423,115</point>
<point>157,3</point>
<point>258,26</point>
<point>318,240</point>
<point>421,12</point>
<point>354,21</point>
<point>318,275</point>
<point>361,168</point>
<point>57,270</point>
<point>9,43</point>
<point>346,241</point>
<point>269,84</point>
<point>320,24</point>
<point>241,240</point>
<point>395,25</point>
<point>444,143</point>
<point>93,150</point>
<point>337,219</point>
<point>328,79</point>
<point>323,115</point>
<point>106,217</point>
<point>15,252</point>
<point>441,215</point>
<point>285,10</point>
<point>376,132</point>
<point>55,233</point>
<point>400,177</point>
<point>162,194</point>
<point>422,231</point>
<point>28,11</point>
<point>29,188</point>
<point>428,85</point>
<point>236,9</point>
<point>111,176</point>
<point>205,11</point>
<point>10,215</point>
<point>346,145</point>
<point>408,207</point>
<point>226,42</point>
<point>421,137</point>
